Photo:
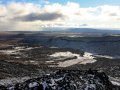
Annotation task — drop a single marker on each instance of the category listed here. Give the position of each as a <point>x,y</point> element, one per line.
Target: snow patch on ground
<point>115,81</point>
<point>88,55</point>
<point>104,56</point>
<point>31,62</point>
<point>13,81</point>
<point>49,61</point>
<point>9,52</point>
<point>69,62</point>
<point>63,54</point>
<point>33,84</point>
<point>87,58</point>
<point>86,61</point>
<point>15,50</point>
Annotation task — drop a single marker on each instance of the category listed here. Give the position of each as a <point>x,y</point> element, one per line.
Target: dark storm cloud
<point>41,17</point>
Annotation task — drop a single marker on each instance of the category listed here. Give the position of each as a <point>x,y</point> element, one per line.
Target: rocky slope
<point>67,80</point>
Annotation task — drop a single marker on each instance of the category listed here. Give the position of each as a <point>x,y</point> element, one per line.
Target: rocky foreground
<point>67,80</point>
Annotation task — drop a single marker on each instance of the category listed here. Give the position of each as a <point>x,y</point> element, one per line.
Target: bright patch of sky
<point>83,3</point>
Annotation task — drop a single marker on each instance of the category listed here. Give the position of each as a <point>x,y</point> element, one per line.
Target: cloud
<point>29,16</point>
<point>113,14</point>
<point>42,17</point>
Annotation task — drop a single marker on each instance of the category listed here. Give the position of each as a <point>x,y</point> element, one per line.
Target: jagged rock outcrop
<point>67,80</point>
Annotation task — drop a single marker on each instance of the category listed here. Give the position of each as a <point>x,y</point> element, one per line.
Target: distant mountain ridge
<point>82,30</point>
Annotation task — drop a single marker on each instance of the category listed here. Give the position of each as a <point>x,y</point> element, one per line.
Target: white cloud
<point>29,16</point>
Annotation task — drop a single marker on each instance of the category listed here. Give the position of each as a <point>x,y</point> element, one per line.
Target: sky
<point>32,15</point>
